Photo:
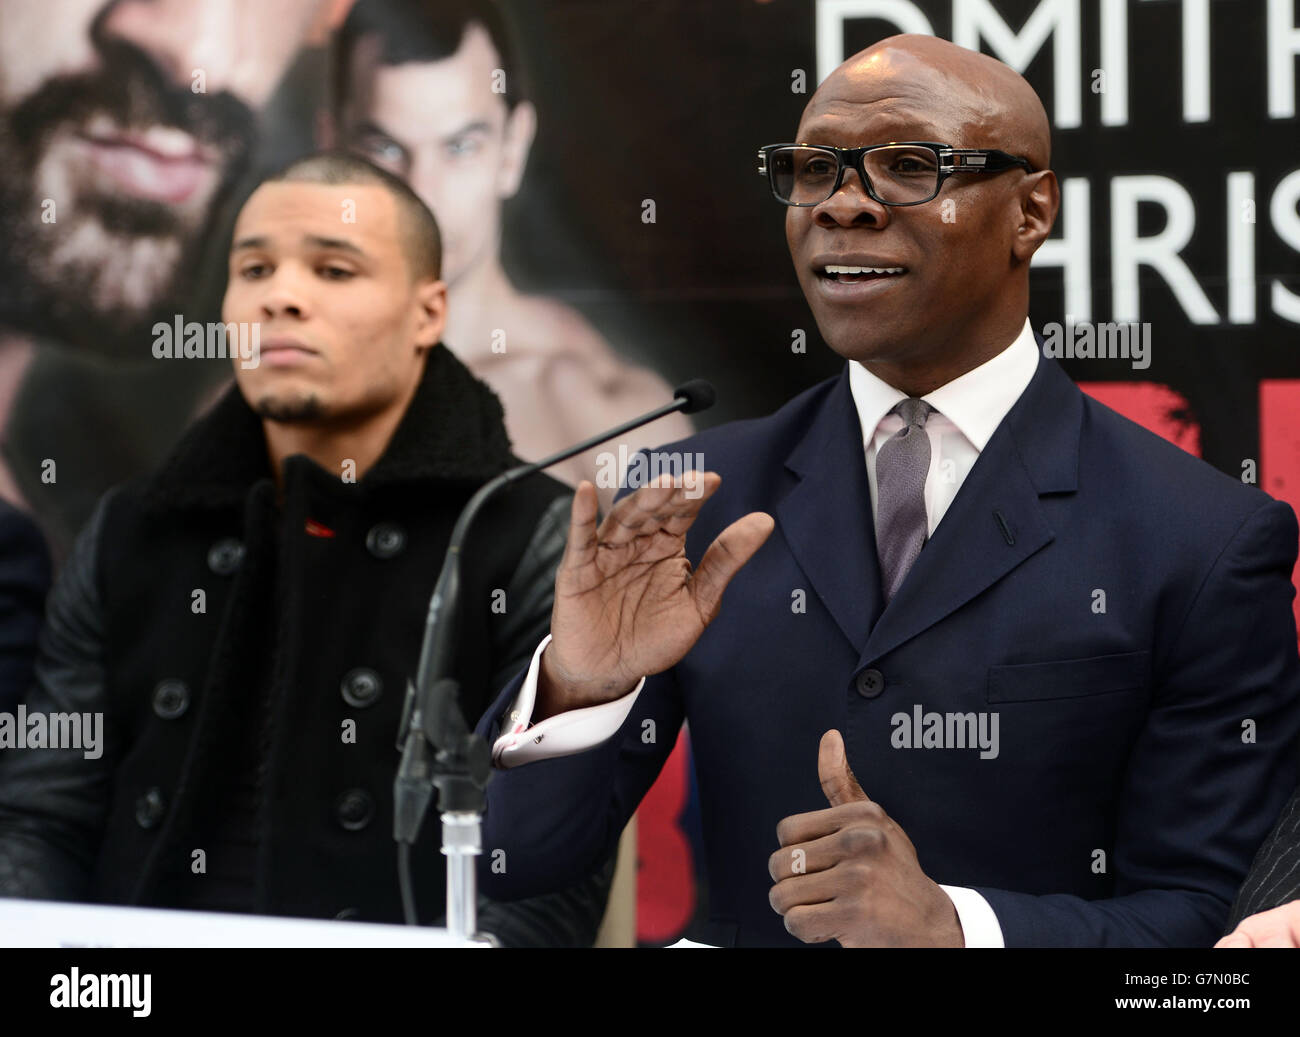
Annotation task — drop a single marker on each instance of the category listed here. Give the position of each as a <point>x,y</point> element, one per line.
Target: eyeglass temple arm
<point>977,161</point>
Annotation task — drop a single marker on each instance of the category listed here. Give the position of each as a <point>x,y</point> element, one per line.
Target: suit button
<point>149,808</point>
<point>361,687</point>
<point>354,809</point>
<point>225,556</point>
<point>870,683</point>
<point>347,914</point>
<point>171,699</point>
<point>386,540</point>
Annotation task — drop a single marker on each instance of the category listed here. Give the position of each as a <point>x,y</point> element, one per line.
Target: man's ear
<point>431,297</point>
<point>1039,204</point>
<point>521,127</point>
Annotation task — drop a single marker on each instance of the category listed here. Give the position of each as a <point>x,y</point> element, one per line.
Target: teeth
<point>864,270</point>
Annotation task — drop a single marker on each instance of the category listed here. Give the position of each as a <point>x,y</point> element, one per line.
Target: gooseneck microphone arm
<point>460,762</point>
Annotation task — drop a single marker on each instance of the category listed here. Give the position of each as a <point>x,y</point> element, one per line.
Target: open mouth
<point>859,274</point>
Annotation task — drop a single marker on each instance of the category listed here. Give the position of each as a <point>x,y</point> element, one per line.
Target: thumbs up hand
<point>849,873</point>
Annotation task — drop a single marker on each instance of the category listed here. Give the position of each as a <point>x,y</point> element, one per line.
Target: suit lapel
<point>996,520</point>
<point>994,523</point>
<point>826,518</point>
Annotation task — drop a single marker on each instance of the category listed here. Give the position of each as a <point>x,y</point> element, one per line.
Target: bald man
<point>999,667</point>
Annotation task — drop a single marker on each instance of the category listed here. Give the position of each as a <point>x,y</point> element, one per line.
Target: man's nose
<point>182,37</point>
<point>284,295</point>
<point>851,205</point>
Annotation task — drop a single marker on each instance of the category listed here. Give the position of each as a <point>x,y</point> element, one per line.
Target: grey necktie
<point>902,463</point>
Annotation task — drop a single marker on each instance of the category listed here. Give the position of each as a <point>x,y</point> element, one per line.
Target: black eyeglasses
<point>899,173</point>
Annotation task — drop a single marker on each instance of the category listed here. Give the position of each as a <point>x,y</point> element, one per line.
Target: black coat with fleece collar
<point>250,652</point>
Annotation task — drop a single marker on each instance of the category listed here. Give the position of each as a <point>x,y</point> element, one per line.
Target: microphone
<point>431,716</point>
<point>699,394</point>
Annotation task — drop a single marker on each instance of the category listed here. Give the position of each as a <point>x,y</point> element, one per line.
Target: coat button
<point>225,556</point>
<point>870,683</point>
<point>354,809</point>
<point>361,687</point>
<point>386,540</point>
<point>149,808</point>
<point>171,699</point>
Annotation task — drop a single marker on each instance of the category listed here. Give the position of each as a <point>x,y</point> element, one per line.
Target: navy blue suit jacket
<point>1147,737</point>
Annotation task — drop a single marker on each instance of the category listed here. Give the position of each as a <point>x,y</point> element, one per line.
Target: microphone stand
<point>439,750</point>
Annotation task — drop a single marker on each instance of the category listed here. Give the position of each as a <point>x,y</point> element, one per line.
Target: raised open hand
<point>626,601</point>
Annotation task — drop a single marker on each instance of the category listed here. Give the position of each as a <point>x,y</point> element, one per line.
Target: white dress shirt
<point>966,412</point>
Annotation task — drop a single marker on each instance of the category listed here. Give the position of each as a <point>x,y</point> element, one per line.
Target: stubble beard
<point>290,411</point>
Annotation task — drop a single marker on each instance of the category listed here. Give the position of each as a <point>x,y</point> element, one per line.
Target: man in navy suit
<point>1027,676</point>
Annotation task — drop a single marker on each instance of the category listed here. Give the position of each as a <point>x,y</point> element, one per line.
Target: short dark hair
<point>421,239</point>
<point>423,31</point>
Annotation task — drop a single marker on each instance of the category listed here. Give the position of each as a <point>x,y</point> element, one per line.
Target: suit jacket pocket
<point>1069,678</point>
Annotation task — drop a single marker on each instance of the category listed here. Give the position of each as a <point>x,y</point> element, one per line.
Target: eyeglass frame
<point>969,160</point>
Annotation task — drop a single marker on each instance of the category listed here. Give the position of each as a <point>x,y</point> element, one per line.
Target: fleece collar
<point>453,430</point>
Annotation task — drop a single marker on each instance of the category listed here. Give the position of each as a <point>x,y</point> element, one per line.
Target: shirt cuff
<point>979,925</point>
<point>564,734</point>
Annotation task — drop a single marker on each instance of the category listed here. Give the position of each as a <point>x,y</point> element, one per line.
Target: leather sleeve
<point>531,592</point>
<point>24,582</point>
<point>571,916</point>
<point>54,801</point>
